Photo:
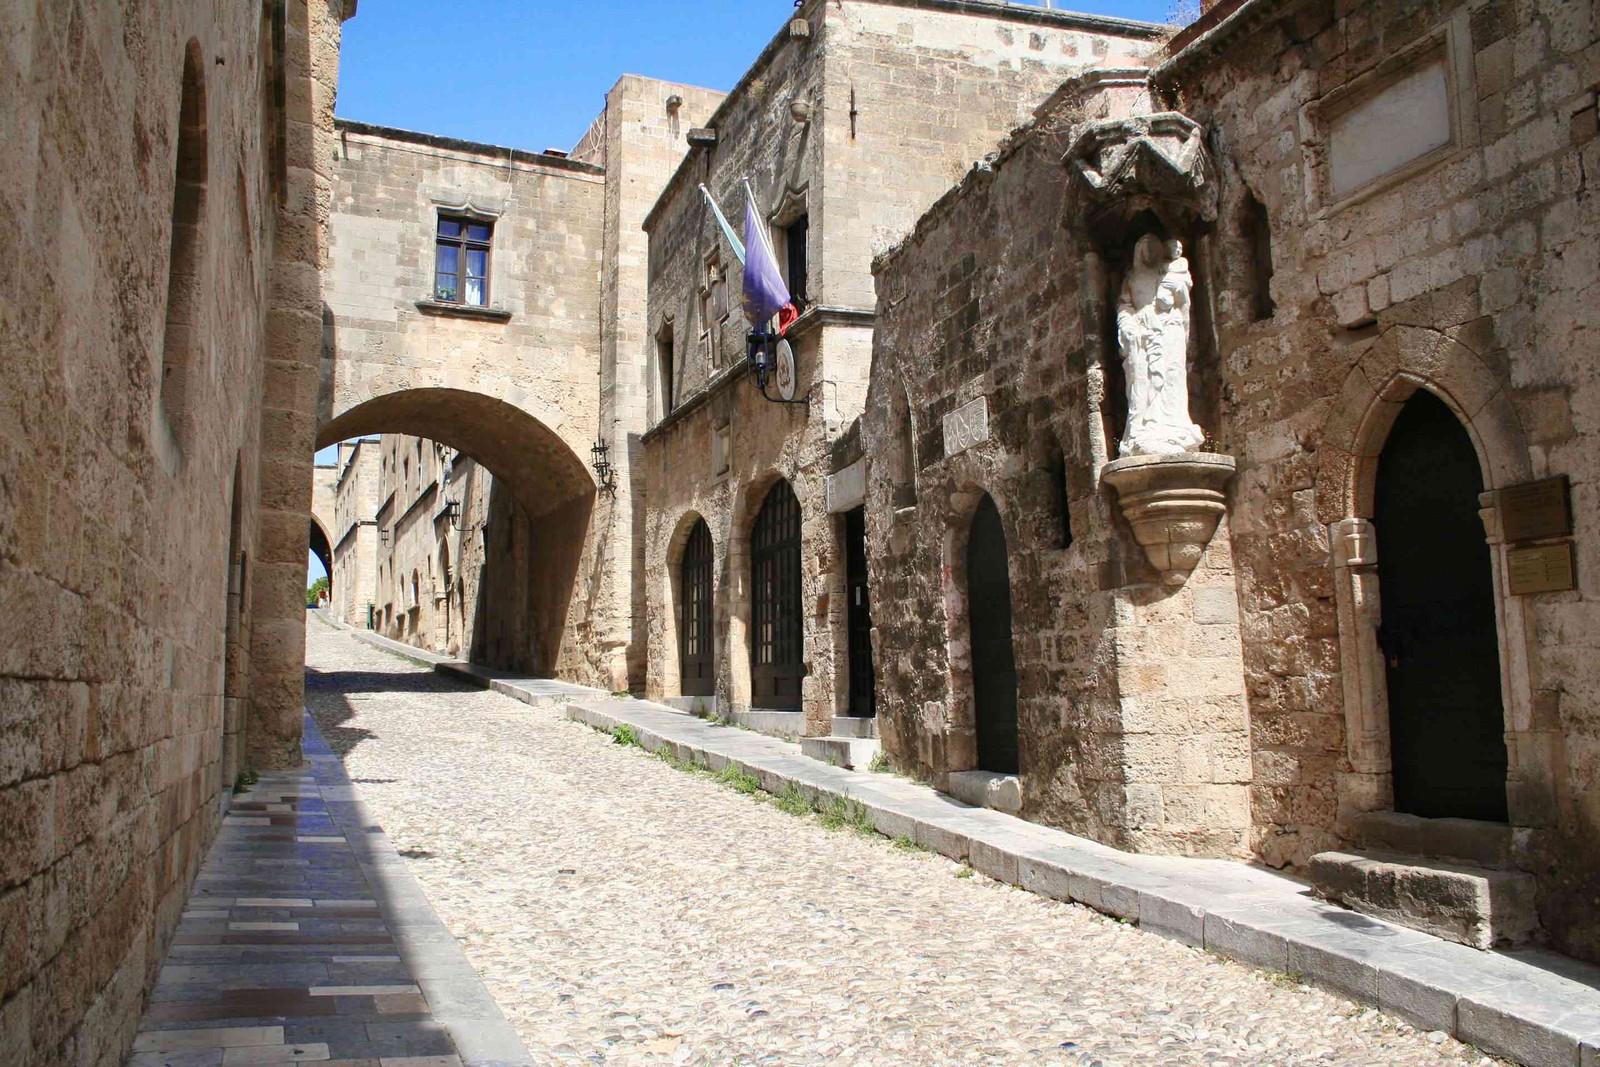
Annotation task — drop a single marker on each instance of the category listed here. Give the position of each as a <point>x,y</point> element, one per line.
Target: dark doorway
<point>695,674</point>
<point>775,646</point>
<point>1442,656</point>
<point>994,665</point>
<point>858,614</point>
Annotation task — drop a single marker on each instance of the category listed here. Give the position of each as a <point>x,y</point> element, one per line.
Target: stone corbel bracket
<point>1157,161</point>
<point>1173,503</point>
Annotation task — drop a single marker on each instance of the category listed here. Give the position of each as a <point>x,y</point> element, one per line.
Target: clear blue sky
<point>534,73</point>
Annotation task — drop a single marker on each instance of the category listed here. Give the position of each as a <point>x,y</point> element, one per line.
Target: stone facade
<point>1344,266</point>
<point>854,119</point>
<point>163,204</point>
<point>355,531</point>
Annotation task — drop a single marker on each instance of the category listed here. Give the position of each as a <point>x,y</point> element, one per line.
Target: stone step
<point>1476,906</point>
<point>786,724</point>
<point>851,753</point>
<point>854,726</point>
<point>1470,841</point>
<point>986,789</point>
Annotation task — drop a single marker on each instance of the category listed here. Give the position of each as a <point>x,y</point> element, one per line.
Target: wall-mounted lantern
<point>603,470</point>
<point>772,359</point>
<point>452,512</point>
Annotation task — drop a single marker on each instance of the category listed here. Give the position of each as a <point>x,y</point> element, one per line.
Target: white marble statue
<point>1153,330</point>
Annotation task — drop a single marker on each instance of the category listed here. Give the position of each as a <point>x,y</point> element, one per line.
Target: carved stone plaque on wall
<point>966,426</point>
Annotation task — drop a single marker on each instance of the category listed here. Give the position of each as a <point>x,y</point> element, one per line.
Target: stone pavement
<point>305,940</point>
<point>623,911</point>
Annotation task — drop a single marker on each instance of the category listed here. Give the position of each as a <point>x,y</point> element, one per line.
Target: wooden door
<point>775,636</point>
<point>696,671</point>
<point>858,615</point>
<point>994,667</point>
<point>1441,651</point>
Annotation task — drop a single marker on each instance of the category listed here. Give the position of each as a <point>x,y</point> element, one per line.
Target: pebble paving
<point>622,911</point>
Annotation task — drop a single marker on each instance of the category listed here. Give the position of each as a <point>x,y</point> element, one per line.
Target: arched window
<point>182,338</point>
<point>775,633</point>
<point>994,665</point>
<point>696,671</point>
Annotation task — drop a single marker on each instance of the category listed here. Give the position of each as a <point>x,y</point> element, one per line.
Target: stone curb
<point>456,995</point>
<point>1532,1006</point>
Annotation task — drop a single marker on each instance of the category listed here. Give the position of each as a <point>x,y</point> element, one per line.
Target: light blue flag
<point>727,229</point>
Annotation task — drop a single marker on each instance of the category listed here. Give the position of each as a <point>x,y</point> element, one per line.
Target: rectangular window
<point>795,236</point>
<point>461,261</point>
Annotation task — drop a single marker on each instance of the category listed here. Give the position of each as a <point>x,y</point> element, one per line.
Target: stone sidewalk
<point>306,940</point>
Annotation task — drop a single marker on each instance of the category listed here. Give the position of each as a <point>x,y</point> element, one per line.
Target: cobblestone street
<point>622,911</point>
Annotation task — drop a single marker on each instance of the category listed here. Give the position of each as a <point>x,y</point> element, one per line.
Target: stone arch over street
<point>543,499</point>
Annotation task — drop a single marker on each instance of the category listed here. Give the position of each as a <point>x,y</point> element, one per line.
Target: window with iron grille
<point>461,261</point>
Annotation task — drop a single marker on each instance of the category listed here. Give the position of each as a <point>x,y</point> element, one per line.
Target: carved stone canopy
<point>1153,162</point>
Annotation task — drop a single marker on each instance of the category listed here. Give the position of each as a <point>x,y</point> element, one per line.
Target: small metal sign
<point>966,426</point>
<point>1535,510</point>
<point>1542,569</point>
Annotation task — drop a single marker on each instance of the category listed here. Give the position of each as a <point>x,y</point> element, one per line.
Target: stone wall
<point>834,125</point>
<point>152,191</point>
<point>1470,273</point>
<point>1331,284</point>
<point>355,531</point>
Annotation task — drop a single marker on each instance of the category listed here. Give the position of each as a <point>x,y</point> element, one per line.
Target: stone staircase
<point>1452,878</point>
<point>852,745</point>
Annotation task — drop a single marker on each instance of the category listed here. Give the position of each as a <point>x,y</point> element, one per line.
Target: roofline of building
<point>457,144</point>
<point>1210,32</point>
<point>1004,10</point>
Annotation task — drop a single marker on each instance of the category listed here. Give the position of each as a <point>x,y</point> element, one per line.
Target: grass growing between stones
<point>625,734</point>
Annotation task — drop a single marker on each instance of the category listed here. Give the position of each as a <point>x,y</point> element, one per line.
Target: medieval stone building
<point>159,337</point>
<point>1354,614</point>
<point>850,123</point>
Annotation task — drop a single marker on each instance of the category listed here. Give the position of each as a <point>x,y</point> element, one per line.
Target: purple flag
<point>765,295</point>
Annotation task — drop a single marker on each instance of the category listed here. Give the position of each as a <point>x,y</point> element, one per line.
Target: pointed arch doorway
<point>1437,632</point>
<point>696,671</point>
<point>994,665</point>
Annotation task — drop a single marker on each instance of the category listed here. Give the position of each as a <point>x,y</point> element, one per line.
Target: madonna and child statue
<point>1169,490</point>
<point>1153,332</point>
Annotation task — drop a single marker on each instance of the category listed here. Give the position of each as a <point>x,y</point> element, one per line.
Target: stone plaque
<point>1544,569</point>
<point>1535,510</point>
<point>966,426</point>
<point>1401,122</point>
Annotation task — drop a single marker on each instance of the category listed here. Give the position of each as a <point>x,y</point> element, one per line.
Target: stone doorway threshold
<point>1529,1005</point>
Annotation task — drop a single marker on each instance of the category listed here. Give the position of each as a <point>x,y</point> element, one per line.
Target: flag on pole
<point>727,228</point>
<point>765,294</point>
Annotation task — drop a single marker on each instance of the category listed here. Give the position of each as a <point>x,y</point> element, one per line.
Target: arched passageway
<point>521,547</point>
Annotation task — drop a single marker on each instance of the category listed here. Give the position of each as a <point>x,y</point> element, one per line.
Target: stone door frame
<point>671,636</point>
<point>961,709</point>
<point>1399,362</point>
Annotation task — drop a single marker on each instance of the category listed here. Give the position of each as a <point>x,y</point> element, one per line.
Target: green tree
<point>314,593</point>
